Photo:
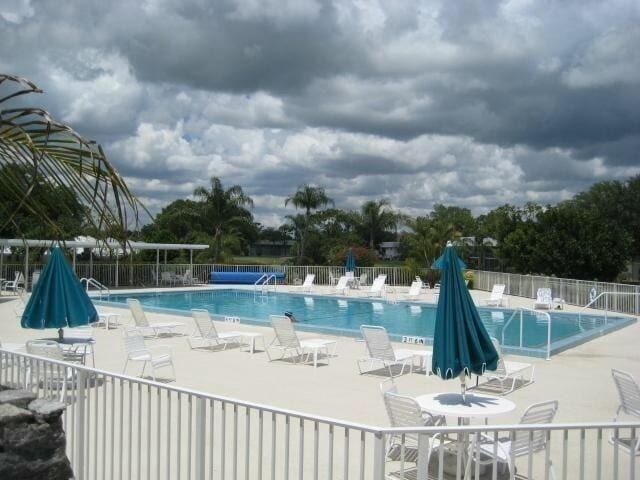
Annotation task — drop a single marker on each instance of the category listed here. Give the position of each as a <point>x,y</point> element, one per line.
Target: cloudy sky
<point>469,103</point>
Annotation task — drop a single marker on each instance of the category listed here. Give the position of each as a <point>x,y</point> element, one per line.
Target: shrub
<point>364,256</point>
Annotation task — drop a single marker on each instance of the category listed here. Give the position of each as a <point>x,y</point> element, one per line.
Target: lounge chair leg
<point>125,366</point>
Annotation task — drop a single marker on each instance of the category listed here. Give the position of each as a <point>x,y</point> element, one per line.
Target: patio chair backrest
<point>342,283</point>
<point>285,333</point>
<point>308,280</point>
<point>363,279</point>
<point>133,341</point>
<point>628,391</point>
<point>46,349</point>
<point>497,291</point>
<point>378,283</point>
<point>527,442</point>
<point>378,344</point>
<point>137,312</point>
<point>404,411</point>
<point>203,322</point>
<point>501,369</point>
<point>544,295</point>
<point>415,288</point>
<point>79,333</point>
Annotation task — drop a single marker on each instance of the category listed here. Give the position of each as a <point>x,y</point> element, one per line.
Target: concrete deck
<point>580,378</point>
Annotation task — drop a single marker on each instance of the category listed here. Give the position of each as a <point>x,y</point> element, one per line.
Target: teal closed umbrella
<point>461,344</point>
<point>58,299</point>
<point>351,261</point>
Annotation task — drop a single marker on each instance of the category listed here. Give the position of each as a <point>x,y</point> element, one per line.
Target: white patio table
<point>476,405</point>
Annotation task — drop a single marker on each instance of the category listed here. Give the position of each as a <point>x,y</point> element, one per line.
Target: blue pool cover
<point>248,278</point>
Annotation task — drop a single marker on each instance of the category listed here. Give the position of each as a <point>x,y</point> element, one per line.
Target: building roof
<point>88,242</point>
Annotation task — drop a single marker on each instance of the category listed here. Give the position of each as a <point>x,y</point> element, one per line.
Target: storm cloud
<point>467,103</point>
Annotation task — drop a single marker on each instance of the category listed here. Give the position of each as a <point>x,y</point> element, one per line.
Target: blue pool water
<point>345,315</point>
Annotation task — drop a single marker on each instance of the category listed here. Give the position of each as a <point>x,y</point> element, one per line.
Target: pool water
<point>526,335</point>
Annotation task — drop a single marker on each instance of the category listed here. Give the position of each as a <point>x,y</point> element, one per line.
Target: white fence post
<point>80,396</point>
<point>200,438</point>
<point>378,456</point>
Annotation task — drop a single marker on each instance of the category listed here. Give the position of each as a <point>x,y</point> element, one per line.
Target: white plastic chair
<point>523,442</point>
<point>381,351</point>
<point>53,377</point>
<point>343,285</point>
<point>544,299</point>
<point>151,329</point>
<point>15,283</point>
<point>404,411</point>
<point>415,289</point>
<point>629,393</point>
<point>496,298</point>
<point>509,372</point>
<point>377,288</point>
<point>206,332</point>
<point>80,342</point>
<point>157,356</point>
<point>307,285</point>
<point>286,339</point>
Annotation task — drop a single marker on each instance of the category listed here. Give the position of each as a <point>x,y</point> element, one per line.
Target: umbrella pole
<point>463,386</point>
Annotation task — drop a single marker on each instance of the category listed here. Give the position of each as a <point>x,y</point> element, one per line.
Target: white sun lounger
<point>343,285</point>
<point>378,287</point>
<point>381,351</point>
<point>307,285</point>
<point>151,329</point>
<point>497,298</point>
<point>508,372</point>
<point>287,340</point>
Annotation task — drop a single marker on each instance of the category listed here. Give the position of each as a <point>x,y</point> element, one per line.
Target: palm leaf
<point>35,148</point>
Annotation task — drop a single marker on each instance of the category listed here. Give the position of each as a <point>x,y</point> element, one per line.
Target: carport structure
<point>109,245</point>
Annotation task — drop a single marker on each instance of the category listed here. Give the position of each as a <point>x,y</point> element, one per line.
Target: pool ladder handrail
<point>263,282</point>
<point>95,283</point>
<point>537,312</point>
<point>606,296</point>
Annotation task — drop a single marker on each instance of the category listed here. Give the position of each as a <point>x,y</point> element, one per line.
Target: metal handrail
<point>537,312</point>
<point>606,296</point>
<point>95,283</point>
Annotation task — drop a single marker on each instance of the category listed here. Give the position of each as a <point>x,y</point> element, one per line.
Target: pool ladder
<point>263,283</point>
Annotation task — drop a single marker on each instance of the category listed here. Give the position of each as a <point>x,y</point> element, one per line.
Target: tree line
<point>590,236</point>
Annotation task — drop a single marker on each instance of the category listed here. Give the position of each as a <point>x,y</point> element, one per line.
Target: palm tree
<point>224,210</point>
<point>36,150</point>
<point>375,219</point>
<point>310,198</point>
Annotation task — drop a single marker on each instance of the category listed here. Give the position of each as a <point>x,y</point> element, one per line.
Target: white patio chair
<point>187,278</point>
<point>307,285</point>
<point>381,351</point>
<point>378,287</point>
<point>286,339</point>
<point>523,442</point>
<point>166,278</point>
<point>404,411</point>
<point>415,289</point>
<point>343,285</point>
<point>362,281</point>
<point>206,332</point>
<point>152,329</point>
<point>79,344</point>
<point>508,372</point>
<point>53,377</point>
<point>496,299</point>
<point>544,299</point>
<point>157,356</point>
<point>15,284</point>
<point>629,393</point>
<point>333,278</point>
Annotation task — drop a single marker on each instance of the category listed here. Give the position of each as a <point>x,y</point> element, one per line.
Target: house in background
<point>390,250</point>
<point>268,248</point>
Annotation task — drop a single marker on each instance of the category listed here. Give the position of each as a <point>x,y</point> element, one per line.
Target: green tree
<point>224,211</point>
<point>309,198</point>
<point>375,219</point>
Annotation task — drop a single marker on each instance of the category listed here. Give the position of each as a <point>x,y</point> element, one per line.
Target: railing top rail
<point>197,393</point>
<point>336,422</point>
<point>556,279</point>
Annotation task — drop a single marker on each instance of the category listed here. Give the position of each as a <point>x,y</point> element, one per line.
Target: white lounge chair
<point>342,286</point>
<point>287,340</point>
<point>415,289</point>
<point>523,443</point>
<point>167,278</point>
<point>151,329</point>
<point>378,287</point>
<point>187,278</point>
<point>362,281</point>
<point>15,284</point>
<point>307,285</point>
<point>157,356</point>
<point>206,332</point>
<point>497,296</point>
<point>544,299</point>
<point>629,393</point>
<point>509,372</point>
<point>381,351</point>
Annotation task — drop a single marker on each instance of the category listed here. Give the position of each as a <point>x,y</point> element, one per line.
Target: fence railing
<point>122,427</point>
<point>623,299</point>
<point>574,292</point>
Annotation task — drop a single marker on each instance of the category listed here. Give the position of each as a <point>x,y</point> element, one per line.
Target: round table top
<point>476,405</point>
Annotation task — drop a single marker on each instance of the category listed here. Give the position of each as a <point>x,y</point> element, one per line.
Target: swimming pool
<point>527,336</point>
